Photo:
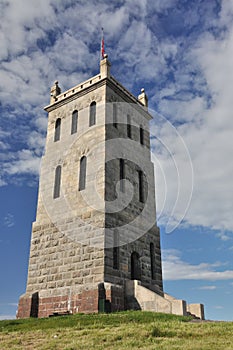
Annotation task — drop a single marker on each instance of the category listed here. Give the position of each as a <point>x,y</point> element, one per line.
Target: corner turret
<point>54,92</point>
<point>105,67</point>
<point>143,98</point>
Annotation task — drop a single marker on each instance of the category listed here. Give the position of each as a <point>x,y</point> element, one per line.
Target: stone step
<point>193,316</point>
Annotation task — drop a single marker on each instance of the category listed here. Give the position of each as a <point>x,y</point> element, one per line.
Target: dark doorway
<point>34,305</point>
<point>135,267</point>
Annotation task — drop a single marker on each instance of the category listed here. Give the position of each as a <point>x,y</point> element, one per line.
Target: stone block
<point>178,307</point>
<point>197,310</point>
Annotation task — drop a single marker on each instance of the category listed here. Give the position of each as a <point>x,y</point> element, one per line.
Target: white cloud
<point>218,307</point>
<point>173,172</point>
<point>174,268</point>
<point>188,109</point>
<point>161,5</point>
<point>207,288</point>
<point>36,141</point>
<point>2,182</point>
<point>114,25</point>
<point>3,146</point>
<point>8,220</point>
<point>207,131</point>
<point>7,317</point>
<point>226,14</point>
<point>3,133</point>
<point>139,49</point>
<point>223,236</point>
<point>27,162</point>
<point>41,123</point>
<point>22,25</point>
<point>8,304</point>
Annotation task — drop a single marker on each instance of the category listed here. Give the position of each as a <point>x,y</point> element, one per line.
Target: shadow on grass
<point>156,332</point>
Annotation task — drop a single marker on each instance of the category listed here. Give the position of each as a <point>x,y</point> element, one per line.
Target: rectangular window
<point>74,123</point>
<point>141,136</point>
<point>92,117</point>
<point>152,260</point>
<point>82,173</point>
<point>122,175</point>
<point>129,134</point>
<point>57,130</point>
<point>140,187</point>
<point>57,182</point>
<point>114,117</point>
<point>116,250</point>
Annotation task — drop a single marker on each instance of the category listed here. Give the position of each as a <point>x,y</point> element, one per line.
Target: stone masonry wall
<point>72,244</point>
<point>57,261</point>
<point>133,221</point>
<point>67,243</point>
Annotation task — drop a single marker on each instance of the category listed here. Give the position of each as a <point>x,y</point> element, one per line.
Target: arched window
<point>122,174</point>
<point>57,182</point>
<point>74,123</point>
<point>152,260</point>
<point>116,250</point>
<point>114,118</point>
<point>92,119</point>
<point>140,186</point>
<point>141,136</point>
<point>57,130</point>
<point>82,173</point>
<point>129,133</point>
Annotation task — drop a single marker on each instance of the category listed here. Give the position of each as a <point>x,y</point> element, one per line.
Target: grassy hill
<point>123,330</point>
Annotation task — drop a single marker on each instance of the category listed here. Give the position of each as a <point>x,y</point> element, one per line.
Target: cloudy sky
<point>181,52</point>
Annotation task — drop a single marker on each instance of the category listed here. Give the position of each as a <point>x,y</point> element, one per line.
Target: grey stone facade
<point>87,244</point>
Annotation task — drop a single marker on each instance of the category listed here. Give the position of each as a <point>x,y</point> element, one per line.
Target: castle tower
<point>95,240</point>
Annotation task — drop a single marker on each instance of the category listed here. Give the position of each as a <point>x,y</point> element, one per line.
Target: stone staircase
<point>138,297</point>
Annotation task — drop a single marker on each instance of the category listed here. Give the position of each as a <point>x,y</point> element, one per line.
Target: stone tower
<point>95,245</point>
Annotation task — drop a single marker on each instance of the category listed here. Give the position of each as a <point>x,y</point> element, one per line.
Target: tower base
<point>107,297</point>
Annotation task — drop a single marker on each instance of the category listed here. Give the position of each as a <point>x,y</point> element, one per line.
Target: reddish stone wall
<point>24,307</point>
<point>86,302</point>
<point>104,298</point>
<point>115,294</point>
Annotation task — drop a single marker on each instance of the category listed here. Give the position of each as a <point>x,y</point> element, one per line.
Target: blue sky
<point>181,53</point>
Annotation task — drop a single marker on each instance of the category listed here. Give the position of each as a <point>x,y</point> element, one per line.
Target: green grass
<point>123,330</point>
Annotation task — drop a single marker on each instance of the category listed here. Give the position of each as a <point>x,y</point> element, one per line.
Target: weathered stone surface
<point>87,243</point>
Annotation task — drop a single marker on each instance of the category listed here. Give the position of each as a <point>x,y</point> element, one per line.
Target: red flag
<point>102,44</point>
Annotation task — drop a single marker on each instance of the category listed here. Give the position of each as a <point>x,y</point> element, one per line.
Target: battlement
<point>56,97</point>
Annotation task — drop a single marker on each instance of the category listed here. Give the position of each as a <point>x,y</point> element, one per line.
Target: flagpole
<point>102,52</point>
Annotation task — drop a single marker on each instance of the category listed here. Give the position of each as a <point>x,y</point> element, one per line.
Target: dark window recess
<point>57,130</point>
<point>82,173</point>
<point>116,250</point>
<point>129,132</point>
<point>141,136</point>
<point>92,119</point>
<point>74,123</point>
<point>34,305</point>
<point>122,175</point>
<point>140,186</point>
<point>57,182</point>
<point>152,260</point>
<point>135,267</point>
<point>114,118</point>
